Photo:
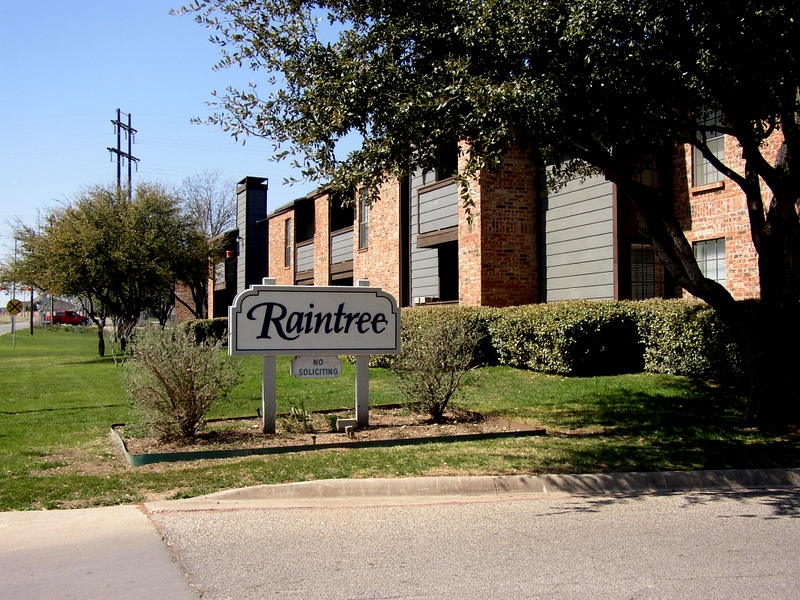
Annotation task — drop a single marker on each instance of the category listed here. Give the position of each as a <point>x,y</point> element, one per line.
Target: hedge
<point>207,329</point>
<point>569,338</point>
<point>581,337</point>
<point>585,338</point>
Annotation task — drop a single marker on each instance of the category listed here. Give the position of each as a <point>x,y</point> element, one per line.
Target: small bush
<point>435,356</point>
<point>175,380</point>
<point>299,420</point>
<point>475,318</point>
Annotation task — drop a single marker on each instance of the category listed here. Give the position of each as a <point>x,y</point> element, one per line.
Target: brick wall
<point>381,262</point>
<point>498,262</point>
<point>720,211</point>
<point>276,269</point>
<point>182,313</point>
<point>322,236</point>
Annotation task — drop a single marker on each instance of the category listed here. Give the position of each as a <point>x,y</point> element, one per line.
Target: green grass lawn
<point>58,401</point>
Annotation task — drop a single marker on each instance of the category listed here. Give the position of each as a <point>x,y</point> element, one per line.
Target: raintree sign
<point>315,324</point>
<point>273,320</point>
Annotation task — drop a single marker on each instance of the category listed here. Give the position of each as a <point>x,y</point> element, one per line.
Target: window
<point>363,222</point>
<point>703,172</point>
<point>288,237</point>
<point>446,168</point>
<point>710,255</point>
<point>647,273</point>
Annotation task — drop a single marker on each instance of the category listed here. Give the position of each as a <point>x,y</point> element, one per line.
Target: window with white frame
<point>710,255</point>
<point>288,241</point>
<point>703,172</point>
<point>363,222</point>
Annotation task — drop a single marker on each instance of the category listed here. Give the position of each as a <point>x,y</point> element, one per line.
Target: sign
<point>271,320</point>
<point>316,367</point>
<point>14,306</point>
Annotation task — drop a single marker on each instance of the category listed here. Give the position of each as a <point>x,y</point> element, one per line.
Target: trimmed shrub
<point>568,338</point>
<point>207,329</point>
<point>686,337</point>
<point>586,338</point>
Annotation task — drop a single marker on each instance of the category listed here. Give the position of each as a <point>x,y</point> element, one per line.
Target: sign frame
<point>273,320</point>
<point>316,315</point>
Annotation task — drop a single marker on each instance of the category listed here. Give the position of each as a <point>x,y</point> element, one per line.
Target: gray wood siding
<point>438,207</point>
<point>342,246</point>
<point>304,257</point>
<point>424,262</point>
<point>579,242</point>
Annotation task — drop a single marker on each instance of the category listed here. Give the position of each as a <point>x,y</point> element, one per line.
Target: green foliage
<point>686,337</point>
<point>122,256</point>
<point>436,354</point>
<point>174,380</point>
<point>204,330</point>
<point>299,419</point>
<point>589,338</point>
<point>423,317</point>
<point>605,81</point>
<point>472,318</point>
<point>569,338</point>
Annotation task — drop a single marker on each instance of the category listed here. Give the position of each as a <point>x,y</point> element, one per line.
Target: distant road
<point>22,326</point>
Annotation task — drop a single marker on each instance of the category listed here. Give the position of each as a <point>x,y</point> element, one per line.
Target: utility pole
<point>119,128</point>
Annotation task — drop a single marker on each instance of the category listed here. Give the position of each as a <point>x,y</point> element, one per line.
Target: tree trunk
<point>766,331</point>
<point>101,342</point>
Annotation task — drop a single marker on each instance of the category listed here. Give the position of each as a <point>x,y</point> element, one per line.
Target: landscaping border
<point>138,460</point>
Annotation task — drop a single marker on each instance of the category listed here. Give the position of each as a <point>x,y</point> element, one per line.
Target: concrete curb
<point>504,486</point>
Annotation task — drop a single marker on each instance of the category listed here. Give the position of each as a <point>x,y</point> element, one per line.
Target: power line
<point>119,128</point>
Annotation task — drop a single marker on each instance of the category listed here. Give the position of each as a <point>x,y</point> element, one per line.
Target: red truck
<point>66,317</point>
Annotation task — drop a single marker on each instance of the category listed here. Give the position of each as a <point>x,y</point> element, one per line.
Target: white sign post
<point>271,320</point>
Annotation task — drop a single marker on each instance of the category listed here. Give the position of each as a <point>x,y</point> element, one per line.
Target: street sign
<point>14,306</point>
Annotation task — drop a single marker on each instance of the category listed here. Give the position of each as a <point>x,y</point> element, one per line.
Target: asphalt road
<point>609,536</point>
<point>725,545</point>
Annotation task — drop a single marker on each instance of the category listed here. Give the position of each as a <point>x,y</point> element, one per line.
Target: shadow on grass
<point>695,426</point>
<point>61,409</point>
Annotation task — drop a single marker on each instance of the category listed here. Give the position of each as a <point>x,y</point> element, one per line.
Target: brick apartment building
<point>518,246</point>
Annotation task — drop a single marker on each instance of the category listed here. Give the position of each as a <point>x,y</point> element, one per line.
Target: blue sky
<point>66,69</point>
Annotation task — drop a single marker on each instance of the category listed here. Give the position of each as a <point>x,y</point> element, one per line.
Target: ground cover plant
<point>58,401</point>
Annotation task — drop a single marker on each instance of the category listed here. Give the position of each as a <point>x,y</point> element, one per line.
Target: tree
<point>119,255</point>
<point>613,84</point>
<point>209,203</point>
<point>211,207</point>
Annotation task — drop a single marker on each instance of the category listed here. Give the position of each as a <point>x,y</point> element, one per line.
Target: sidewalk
<point>116,552</point>
<point>87,554</point>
